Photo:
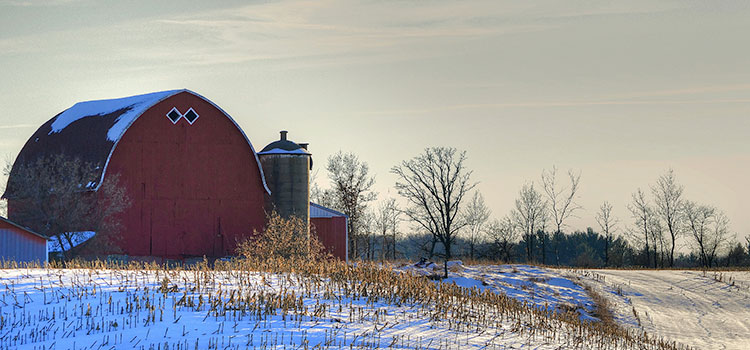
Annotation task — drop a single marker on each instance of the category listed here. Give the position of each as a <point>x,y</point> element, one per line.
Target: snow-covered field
<point>704,310</point>
<point>708,310</point>
<point>137,309</point>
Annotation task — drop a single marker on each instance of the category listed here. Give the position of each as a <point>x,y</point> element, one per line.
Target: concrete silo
<point>286,166</point>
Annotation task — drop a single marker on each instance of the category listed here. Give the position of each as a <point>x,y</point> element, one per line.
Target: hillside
<point>705,310</point>
<point>708,310</point>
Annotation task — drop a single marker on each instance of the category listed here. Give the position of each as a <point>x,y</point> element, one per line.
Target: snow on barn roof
<point>283,151</point>
<point>91,130</point>
<point>319,211</point>
<point>128,108</point>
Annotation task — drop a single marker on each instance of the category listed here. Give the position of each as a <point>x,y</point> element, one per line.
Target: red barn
<point>194,178</point>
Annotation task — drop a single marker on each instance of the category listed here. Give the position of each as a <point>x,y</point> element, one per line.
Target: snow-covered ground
<point>708,310</point>
<point>544,288</point>
<point>133,309</point>
<point>704,310</point>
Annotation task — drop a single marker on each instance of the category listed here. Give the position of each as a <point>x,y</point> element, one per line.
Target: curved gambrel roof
<point>91,131</point>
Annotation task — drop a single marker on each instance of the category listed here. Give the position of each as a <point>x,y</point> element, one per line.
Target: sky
<point>620,91</point>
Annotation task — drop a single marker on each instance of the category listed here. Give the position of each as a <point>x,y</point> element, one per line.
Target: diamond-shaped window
<point>191,116</point>
<point>174,115</point>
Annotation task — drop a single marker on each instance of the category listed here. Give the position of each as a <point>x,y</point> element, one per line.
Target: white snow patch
<point>455,263</point>
<point>707,310</point>
<point>544,288</point>
<point>283,151</point>
<point>136,105</point>
<point>53,245</point>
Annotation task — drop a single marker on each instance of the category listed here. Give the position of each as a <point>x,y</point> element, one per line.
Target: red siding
<point>332,234</point>
<point>196,189</point>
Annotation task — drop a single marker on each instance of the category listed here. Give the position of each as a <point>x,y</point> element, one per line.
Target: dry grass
<point>288,238</point>
<point>602,309</point>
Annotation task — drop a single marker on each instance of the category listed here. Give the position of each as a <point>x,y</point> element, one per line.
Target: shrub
<point>285,238</point>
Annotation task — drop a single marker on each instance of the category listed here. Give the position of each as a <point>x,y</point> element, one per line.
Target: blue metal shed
<point>20,244</point>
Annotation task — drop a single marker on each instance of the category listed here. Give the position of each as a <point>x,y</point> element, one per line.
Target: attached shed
<point>330,227</point>
<point>20,244</point>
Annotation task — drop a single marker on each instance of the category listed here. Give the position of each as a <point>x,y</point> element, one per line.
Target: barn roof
<point>90,131</point>
<point>114,115</point>
<point>319,211</point>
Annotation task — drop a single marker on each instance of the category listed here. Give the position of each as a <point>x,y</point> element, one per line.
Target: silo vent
<point>283,135</point>
<point>304,145</point>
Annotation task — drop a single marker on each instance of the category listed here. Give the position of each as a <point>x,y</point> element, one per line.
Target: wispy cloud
<point>18,126</point>
<point>547,104</point>
<point>350,31</point>
<point>293,34</point>
<point>693,90</point>
<point>29,3</point>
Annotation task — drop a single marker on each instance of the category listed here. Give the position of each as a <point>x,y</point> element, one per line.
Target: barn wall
<point>196,189</point>
<point>20,246</point>
<point>331,232</point>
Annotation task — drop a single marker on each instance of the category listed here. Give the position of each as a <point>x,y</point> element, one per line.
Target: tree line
<point>447,217</point>
<point>442,210</point>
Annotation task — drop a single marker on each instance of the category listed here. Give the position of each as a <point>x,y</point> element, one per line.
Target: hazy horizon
<point>620,91</point>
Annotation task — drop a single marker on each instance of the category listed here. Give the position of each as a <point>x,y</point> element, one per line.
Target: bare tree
<point>608,223</point>
<point>529,216</point>
<point>387,219</point>
<point>7,166</point>
<point>54,196</point>
<point>504,235</point>
<point>719,237</point>
<point>698,219</point>
<point>669,202</point>
<point>656,231</point>
<point>315,190</point>
<point>367,233</point>
<point>560,199</point>
<point>476,215</point>
<point>642,213</point>
<point>435,184</point>
<point>561,203</point>
<point>350,191</point>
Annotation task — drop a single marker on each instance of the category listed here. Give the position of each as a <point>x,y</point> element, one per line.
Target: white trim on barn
<point>174,121</point>
<point>194,112</point>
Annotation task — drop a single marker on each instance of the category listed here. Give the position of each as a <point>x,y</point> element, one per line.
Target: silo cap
<point>284,146</point>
